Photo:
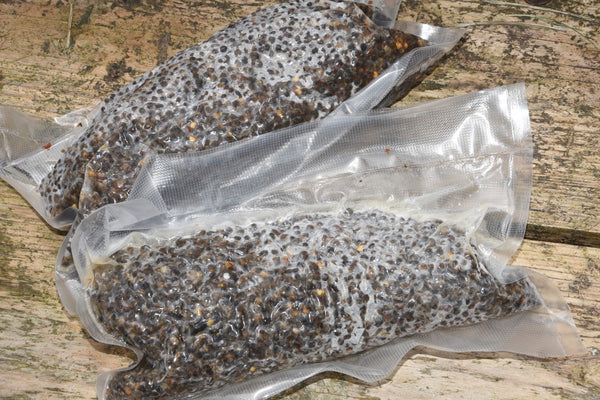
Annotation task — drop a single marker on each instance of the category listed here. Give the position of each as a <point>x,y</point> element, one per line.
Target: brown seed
<point>286,316</point>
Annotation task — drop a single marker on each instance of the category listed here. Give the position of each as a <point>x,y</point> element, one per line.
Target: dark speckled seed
<point>271,302</point>
<point>226,89</point>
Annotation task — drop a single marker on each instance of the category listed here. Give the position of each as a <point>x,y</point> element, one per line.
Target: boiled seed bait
<point>282,65</point>
<point>228,304</point>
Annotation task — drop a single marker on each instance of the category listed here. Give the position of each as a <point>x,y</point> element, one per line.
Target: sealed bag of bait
<point>334,245</point>
<point>282,65</point>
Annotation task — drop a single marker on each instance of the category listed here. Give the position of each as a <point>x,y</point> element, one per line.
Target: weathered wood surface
<point>45,354</point>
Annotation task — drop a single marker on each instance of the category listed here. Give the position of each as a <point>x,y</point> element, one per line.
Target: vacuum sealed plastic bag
<point>282,65</point>
<point>29,148</point>
<point>336,245</point>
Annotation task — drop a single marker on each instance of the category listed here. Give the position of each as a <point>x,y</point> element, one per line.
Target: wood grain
<point>46,354</point>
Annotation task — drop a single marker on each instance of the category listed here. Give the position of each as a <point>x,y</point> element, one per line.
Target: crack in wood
<point>569,236</point>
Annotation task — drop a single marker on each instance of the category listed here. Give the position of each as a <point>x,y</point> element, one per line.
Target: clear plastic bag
<point>185,105</point>
<point>283,65</point>
<point>336,245</point>
<point>30,147</point>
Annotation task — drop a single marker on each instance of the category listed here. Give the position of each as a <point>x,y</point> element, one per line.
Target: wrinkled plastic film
<point>309,58</point>
<point>405,70</point>
<point>29,149</point>
<point>244,279</point>
<point>23,134</point>
<point>400,77</point>
<point>38,162</point>
<point>402,71</point>
<point>432,152</point>
<point>337,173</point>
<point>113,164</point>
<point>536,337</point>
<point>384,11</point>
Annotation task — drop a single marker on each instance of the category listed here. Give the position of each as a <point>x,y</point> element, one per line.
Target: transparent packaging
<point>285,64</point>
<point>335,245</point>
<point>282,65</point>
